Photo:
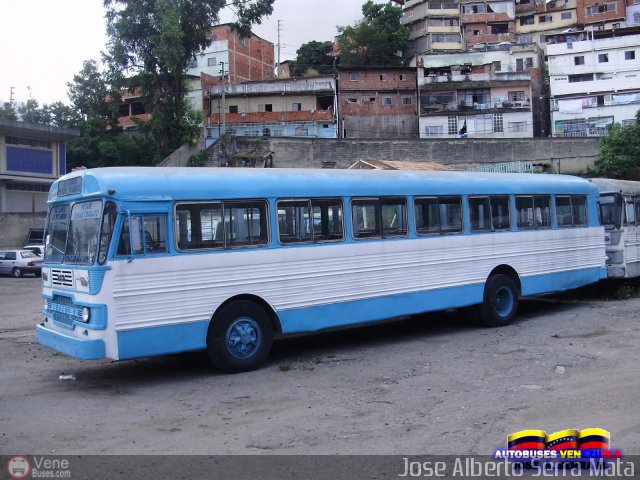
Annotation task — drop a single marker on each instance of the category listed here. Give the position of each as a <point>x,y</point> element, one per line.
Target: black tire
<point>500,303</point>
<point>16,272</point>
<point>239,337</point>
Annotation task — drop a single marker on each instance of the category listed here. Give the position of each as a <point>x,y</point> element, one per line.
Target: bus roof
<point>610,185</point>
<point>172,183</point>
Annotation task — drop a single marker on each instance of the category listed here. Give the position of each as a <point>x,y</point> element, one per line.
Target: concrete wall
<point>14,227</point>
<point>564,155</point>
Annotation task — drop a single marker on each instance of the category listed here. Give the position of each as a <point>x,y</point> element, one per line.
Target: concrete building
<point>537,20</point>
<point>498,92</point>
<point>32,157</point>
<point>434,25</point>
<point>377,102</point>
<point>282,108</point>
<point>487,21</point>
<point>594,80</point>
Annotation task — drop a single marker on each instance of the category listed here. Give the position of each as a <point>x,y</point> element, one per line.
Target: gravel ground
<point>425,385</point>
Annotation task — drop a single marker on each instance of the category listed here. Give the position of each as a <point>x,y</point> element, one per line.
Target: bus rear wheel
<point>500,303</point>
<point>240,337</point>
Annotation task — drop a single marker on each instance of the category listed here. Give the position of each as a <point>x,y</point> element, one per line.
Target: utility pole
<point>224,100</point>
<point>278,70</point>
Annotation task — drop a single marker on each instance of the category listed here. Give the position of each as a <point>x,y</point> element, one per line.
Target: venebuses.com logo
<point>18,467</point>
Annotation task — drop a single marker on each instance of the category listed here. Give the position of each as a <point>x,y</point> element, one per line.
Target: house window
<point>525,40</point>
<point>517,127</point>
<point>584,77</point>
<point>383,77</point>
<point>353,77</point>
<point>528,20</point>
<point>528,62</point>
<point>243,41</point>
<point>193,63</point>
<point>433,130</point>
<point>630,55</point>
<point>268,107</point>
<point>212,62</point>
<point>498,125</point>
<point>407,101</point>
<point>565,15</point>
<point>545,18</point>
<point>516,96</point>
<point>233,109</point>
<point>403,77</point>
<point>452,124</point>
<point>603,57</point>
<point>296,107</point>
<point>352,100</point>
<point>302,132</point>
<point>578,60</point>
<point>386,101</point>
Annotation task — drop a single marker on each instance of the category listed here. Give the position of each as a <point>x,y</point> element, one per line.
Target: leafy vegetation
<point>150,45</point>
<point>378,40</point>
<point>619,155</point>
<point>313,57</point>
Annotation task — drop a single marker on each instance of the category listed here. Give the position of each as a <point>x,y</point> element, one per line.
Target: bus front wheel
<point>240,337</point>
<point>500,301</point>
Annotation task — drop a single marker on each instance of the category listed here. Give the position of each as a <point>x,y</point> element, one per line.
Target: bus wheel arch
<point>501,297</point>
<point>240,334</point>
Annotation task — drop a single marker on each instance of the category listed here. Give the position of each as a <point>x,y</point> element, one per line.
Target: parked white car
<point>35,248</point>
<point>18,262</point>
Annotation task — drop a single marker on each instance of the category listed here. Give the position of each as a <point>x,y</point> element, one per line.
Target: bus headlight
<point>86,314</point>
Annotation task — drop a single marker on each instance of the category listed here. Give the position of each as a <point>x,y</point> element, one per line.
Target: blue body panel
<point>162,340</point>
<point>85,349</point>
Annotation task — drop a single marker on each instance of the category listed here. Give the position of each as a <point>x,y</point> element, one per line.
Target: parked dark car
<point>18,262</point>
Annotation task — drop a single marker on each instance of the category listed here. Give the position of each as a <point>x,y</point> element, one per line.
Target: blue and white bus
<point>152,261</point>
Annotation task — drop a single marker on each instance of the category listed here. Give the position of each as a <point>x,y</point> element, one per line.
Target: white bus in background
<point>620,215</point>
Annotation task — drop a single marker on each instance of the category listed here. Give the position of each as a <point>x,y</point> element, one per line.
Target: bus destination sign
<point>71,186</point>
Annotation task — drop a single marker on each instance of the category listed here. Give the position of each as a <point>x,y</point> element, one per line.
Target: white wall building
<point>484,94</point>
<point>594,81</point>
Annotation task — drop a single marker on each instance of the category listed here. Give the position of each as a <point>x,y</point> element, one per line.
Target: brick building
<point>244,59</point>
<point>377,102</point>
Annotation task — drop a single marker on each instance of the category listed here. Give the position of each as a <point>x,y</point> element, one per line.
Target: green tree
<point>619,155</point>
<point>8,112</point>
<point>102,143</point>
<point>31,112</point>
<point>378,40</point>
<point>314,55</point>
<point>63,116</point>
<point>150,43</point>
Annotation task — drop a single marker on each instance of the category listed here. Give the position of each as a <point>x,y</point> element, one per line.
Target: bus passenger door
<point>632,236</point>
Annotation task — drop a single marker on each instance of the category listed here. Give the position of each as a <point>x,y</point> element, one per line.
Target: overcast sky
<point>44,42</point>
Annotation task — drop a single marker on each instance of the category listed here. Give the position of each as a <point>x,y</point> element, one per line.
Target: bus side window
<point>245,223</point>
<point>631,214</point>
<point>147,234</point>
<point>365,218</point>
<point>328,219</point>
<point>479,214</point>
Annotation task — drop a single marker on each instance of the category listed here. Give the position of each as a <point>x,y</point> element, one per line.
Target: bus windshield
<point>72,233</point>
<point>610,211</point>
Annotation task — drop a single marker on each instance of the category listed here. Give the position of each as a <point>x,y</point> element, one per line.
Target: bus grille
<point>63,310</point>
<point>62,277</point>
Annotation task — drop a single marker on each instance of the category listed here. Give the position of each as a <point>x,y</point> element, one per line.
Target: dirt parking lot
<point>426,385</point>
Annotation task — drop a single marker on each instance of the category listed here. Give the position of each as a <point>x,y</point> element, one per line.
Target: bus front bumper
<point>75,347</point>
